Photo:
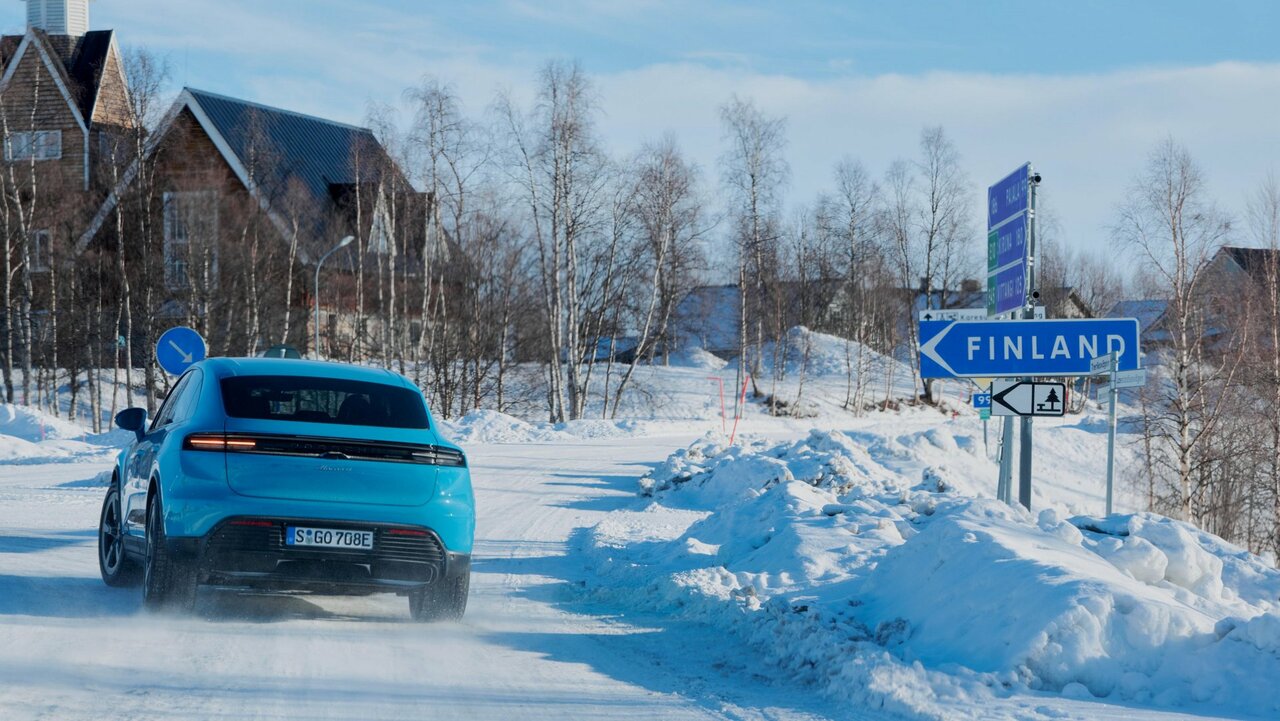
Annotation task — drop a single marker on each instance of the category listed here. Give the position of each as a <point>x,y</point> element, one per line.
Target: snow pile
<point>28,435</point>
<point>484,426</point>
<point>32,424</point>
<point>915,594</point>
<point>697,357</point>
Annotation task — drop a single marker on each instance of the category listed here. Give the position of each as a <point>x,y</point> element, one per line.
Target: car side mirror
<point>133,419</point>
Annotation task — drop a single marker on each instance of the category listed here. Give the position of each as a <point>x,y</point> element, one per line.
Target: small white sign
<point>953,314</point>
<point>1024,398</point>
<point>1124,379</point>
<point>1101,364</point>
<point>968,313</point>
<point>1131,379</point>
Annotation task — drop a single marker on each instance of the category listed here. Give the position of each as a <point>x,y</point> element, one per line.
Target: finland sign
<point>1008,227</point>
<point>178,348</point>
<point>985,349</point>
<point>981,400</point>
<point>1024,398</point>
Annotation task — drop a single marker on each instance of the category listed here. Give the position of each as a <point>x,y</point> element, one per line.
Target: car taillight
<point>218,442</point>
<point>441,457</point>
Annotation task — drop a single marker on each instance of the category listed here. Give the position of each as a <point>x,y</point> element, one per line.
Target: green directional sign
<point>984,413</point>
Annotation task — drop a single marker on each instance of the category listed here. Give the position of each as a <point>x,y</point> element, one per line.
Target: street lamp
<point>341,244</point>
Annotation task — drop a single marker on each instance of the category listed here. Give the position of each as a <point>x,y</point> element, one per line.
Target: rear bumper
<point>255,556</point>
<point>194,510</point>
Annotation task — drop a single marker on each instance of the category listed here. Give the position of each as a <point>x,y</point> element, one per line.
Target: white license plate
<point>328,538</point>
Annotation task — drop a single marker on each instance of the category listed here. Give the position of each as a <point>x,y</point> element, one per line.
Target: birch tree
<point>1171,227</point>
<point>753,173</point>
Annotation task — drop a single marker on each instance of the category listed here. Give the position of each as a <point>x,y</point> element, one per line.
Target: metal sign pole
<point>1024,465</point>
<point>1111,430</point>
<point>1005,490</point>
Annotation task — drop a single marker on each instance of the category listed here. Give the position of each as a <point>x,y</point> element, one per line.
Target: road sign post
<point>1004,490</point>
<point>1108,365</point>
<point>1112,391</point>
<point>178,349</point>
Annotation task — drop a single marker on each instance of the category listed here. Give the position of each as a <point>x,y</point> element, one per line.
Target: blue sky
<point>1083,89</point>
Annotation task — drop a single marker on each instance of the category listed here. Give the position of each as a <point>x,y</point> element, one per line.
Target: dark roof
<point>86,69</point>
<point>1254,261</point>
<point>277,146</point>
<point>80,61</point>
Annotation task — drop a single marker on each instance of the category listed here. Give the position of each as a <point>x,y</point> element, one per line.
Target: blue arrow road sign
<point>1009,197</point>
<point>178,348</point>
<point>1015,348</point>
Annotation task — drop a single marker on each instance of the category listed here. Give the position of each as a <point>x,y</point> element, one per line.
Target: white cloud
<point>1088,135</point>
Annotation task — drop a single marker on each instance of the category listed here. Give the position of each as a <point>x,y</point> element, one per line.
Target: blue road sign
<point>1008,220</point>
<point>981,400</point>
<point>1009,197</point>
<point>178,348</point>
<point>1007,244</point>
<point>1007,289</point>
<point>1011,349</point>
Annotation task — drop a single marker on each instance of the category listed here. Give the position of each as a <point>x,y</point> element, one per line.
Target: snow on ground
<point>860,568</point>
<point>859,573</point>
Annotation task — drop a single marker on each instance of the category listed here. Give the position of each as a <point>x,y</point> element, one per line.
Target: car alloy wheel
<point>114,563</point>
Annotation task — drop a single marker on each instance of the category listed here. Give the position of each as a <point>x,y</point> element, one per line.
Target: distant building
<point>1149,313</point>
<point>229,167</point>
<point>63,98</point>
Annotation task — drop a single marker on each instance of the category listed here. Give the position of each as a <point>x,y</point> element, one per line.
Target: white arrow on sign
<point>186,357</point>
<point>1024,398</point>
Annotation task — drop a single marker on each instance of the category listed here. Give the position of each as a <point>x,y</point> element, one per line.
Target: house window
<point>39,250</point>
<point>190,236</point>
<point>36,144</point>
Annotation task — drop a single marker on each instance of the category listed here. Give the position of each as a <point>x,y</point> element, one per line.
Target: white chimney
<point>59,17</point>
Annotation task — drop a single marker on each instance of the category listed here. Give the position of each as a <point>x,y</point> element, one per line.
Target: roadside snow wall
<point>915,594</point>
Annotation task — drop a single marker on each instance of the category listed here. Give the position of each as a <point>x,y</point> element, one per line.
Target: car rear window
<point>323,400</point>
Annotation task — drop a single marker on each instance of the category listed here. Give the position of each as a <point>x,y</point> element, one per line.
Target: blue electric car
<point>290,475</point>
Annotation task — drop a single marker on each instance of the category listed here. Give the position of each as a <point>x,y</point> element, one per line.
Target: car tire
<point>444,600</point>
<point>117,568</point>
<point>168,583</point>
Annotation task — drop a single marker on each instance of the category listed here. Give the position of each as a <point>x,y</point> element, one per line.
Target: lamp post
<point>341,244</point>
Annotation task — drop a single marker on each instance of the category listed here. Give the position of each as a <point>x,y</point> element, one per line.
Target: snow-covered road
<point>530,647</point>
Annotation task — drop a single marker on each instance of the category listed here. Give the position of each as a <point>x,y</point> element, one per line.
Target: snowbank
<point>31,424</point>
<point>484,426</point>
<point>902,592</point>
<point>28,435</point>
<point>697,357</point>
